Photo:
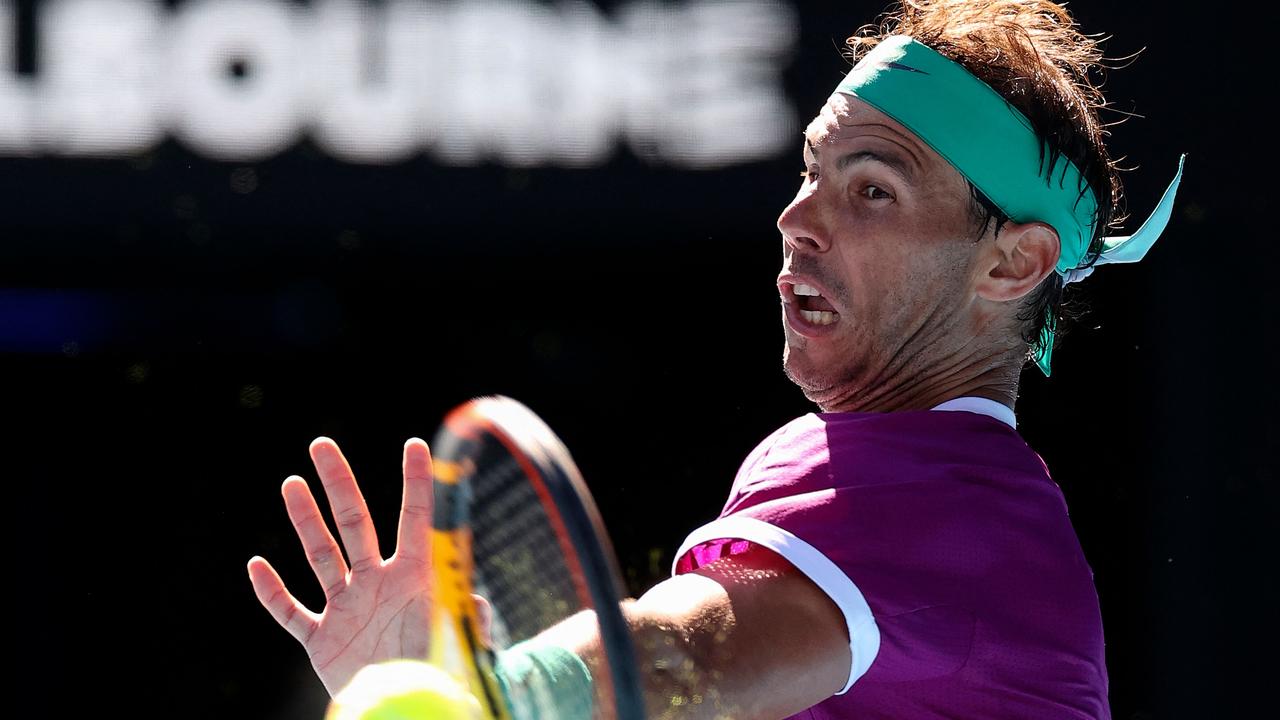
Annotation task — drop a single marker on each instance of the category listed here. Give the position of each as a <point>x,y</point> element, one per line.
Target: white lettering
<point>369,88</point>
<point>233,79</point>
<point>729,61</point>
<point>17,95</point>
<point>98,89</point>
<point>519,83</point>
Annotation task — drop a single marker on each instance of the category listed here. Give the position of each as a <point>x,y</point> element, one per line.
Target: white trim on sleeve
<point>864,636</point>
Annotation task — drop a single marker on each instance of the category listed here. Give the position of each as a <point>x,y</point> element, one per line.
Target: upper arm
<point>753,638</point>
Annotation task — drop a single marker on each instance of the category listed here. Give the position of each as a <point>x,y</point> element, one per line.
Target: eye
<point>810,174</point>
<point>873,192</point>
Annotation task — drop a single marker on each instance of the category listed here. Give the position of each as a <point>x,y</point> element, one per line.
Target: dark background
<point>172,346</point>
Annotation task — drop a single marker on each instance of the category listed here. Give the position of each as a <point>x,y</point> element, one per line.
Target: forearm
<point>675,654</point>
<point>747,641</point>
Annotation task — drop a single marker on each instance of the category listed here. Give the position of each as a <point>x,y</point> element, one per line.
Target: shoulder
<point>802,439</point>
<point>831,451</point>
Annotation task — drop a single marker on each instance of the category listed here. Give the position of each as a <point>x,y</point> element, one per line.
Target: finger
<point>317,542</point>
<point>271,592</point>
<point>413,540</point>
<point>349,510</point>
<point>484,618</point>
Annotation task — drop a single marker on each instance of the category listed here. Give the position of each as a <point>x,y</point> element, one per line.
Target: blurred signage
<point>690,84</point>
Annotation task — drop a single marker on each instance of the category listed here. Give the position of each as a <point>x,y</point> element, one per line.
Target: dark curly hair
<point>1032,53</point>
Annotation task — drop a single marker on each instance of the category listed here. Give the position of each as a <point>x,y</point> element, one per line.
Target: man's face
<point>881,230</point>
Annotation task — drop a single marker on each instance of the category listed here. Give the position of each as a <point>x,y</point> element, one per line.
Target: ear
<point>1021,255</point>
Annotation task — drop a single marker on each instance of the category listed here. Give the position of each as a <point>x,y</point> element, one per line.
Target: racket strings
<point>539,551</point>
<point>520,565</point>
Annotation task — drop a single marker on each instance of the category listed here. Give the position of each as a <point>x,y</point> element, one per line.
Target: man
<point>903,553</point>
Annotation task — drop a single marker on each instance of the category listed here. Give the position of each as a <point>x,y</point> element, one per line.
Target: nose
<point>801,225</point>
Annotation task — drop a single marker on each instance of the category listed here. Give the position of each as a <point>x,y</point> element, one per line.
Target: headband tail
<point>1121,249</point>
<point>1046,344</point>
<point>1132,248</point>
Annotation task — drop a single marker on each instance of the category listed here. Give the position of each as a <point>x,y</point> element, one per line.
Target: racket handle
<point>456,646</point>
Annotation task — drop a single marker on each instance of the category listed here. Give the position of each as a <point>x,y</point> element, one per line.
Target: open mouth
<point>812,307</point>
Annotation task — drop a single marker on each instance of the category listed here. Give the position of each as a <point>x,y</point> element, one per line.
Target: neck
<point>991,376</point>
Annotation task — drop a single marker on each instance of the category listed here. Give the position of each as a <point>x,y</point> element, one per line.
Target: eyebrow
<point>895,162</point>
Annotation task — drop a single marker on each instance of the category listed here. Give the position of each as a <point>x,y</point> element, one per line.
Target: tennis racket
<point>514,522</point>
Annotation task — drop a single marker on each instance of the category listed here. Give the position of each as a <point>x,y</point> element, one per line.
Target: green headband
<point>993,145</point>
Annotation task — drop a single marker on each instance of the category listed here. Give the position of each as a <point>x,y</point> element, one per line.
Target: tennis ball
<point>404,690</point>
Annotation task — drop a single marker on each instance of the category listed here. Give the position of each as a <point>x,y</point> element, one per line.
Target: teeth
<point>818,317</point>
<point>802,289</point>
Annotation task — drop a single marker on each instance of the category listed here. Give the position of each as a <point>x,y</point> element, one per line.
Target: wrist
<point>544,681</point>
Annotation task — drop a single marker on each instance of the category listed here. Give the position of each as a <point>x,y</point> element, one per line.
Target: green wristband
<point>544,682</point>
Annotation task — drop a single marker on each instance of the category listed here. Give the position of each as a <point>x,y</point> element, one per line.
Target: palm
<point>376,609</point>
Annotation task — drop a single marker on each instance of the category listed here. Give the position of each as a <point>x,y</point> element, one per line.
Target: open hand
<point>375,609</point>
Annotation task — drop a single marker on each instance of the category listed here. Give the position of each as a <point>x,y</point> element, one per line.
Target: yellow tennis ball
<point>404,690</point>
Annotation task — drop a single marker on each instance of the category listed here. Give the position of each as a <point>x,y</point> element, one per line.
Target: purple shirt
<point>947,547</point>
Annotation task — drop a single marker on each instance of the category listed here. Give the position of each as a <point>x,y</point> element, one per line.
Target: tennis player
<point>902,553</point>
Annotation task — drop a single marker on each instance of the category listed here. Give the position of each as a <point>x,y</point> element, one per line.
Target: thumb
<point>484,613</point>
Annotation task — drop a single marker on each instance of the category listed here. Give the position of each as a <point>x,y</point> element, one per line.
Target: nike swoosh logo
<point>900,66</point>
